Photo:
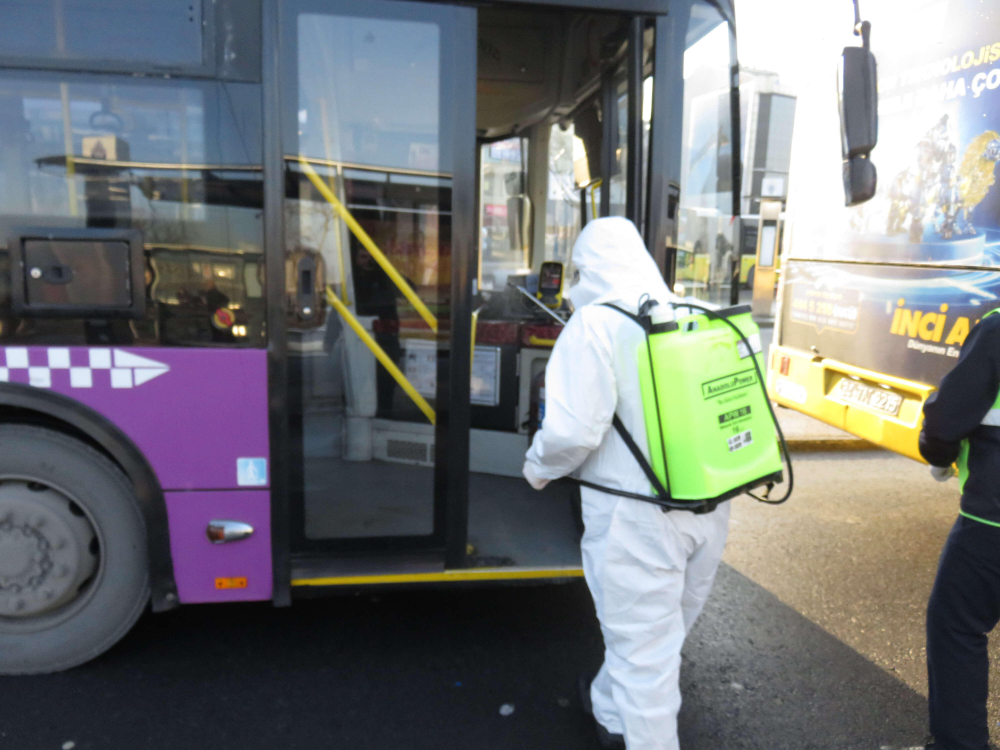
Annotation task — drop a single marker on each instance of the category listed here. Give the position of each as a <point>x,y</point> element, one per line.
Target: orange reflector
<point>216,533</point>
<point>784,365</point>
<point>239,582</point>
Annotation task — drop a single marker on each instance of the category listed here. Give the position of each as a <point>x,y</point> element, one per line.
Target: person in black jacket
<point>962,424</point>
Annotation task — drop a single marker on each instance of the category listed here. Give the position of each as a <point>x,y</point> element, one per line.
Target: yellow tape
<point>473,574</point>
<point>369,244</point>
<point>381,356</point>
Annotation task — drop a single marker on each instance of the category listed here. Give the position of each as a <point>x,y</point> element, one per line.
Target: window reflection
<point>706,233</point>
<point>504,240</point>
<point>179,161</point>
<point>619,159</point>
<point>567,169</point>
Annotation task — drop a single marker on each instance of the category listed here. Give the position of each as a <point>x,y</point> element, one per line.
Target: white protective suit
<point>649,572</point>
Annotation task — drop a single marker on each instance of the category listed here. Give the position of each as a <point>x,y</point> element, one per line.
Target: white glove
<point>942,473</point>
<point>531,474</point>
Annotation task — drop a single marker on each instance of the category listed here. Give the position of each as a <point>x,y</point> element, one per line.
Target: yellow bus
<point>875,301</point>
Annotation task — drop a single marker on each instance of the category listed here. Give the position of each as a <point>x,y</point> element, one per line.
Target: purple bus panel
<point>200,418</point>
<point>207,572</point>
<point>194,413</point>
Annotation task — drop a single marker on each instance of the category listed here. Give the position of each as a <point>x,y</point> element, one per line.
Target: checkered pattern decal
<point>85,367</point>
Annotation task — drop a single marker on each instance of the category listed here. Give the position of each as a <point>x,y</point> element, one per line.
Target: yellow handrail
<point>475,326</point>
<point>369,244</point>
<point>380,355</point>
<point>593,202</point>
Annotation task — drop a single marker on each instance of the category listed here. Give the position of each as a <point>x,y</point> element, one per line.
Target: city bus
<point>271,309</point>
<point>876,300</point>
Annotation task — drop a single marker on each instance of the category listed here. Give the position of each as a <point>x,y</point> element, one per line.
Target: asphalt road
<point>812,639</point>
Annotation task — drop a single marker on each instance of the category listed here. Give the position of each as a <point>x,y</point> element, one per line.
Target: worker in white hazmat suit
<point>649,571</point>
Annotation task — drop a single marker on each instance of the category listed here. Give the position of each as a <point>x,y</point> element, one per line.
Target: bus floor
<point>510,524</point>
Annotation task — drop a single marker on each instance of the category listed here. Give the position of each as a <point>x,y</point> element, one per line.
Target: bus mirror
<point>858,119</point>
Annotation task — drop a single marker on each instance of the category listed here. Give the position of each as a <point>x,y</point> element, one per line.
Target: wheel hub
<point>45,549</point>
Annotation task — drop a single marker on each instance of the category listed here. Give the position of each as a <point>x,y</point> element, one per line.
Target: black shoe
<point>606,739</point>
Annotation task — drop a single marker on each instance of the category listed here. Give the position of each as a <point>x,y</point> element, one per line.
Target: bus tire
<point>74,575</point>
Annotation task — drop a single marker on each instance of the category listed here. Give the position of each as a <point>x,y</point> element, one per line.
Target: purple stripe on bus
<point>234,571</point>
<point>193,412</point>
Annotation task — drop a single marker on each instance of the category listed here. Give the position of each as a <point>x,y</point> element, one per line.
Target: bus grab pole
<point>369,244</point>
<point>381,356</point>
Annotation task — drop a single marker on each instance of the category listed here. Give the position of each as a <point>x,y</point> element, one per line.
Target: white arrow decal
<point>128,371</point>
<point>133,370</point>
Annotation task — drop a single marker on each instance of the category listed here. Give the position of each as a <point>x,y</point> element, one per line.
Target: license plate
<point>860,394</point>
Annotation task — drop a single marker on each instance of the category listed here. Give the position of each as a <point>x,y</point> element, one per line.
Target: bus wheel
<point>73,570</point>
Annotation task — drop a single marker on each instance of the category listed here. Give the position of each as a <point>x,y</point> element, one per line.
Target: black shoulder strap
<point>662,492</point>
<point>654,480</point>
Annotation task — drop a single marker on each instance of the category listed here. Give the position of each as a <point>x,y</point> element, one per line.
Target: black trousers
<point>964,607</point>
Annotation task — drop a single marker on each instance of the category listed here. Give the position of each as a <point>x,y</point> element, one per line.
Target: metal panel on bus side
<point>211,435</point>
<point>234,571</point>
<point>215,421</point>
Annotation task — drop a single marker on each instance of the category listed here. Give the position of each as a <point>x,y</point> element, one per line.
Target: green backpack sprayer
<point>709,422</point>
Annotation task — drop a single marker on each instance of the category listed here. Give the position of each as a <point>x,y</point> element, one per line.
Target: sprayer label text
<point>740,441</point>
<point>731,416</point>
<point>734,382</point>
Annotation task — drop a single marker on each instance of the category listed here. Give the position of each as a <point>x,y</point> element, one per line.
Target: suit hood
<point>614,266</point>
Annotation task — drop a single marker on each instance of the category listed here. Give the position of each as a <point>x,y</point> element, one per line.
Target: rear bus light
<point>785,361</point>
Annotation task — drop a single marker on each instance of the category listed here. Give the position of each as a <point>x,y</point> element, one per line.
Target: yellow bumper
<point>800,381</point>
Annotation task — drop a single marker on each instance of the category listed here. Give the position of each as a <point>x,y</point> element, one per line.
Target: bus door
<point>768,246</point>
<point>374,133</point>
<point>555,151</point>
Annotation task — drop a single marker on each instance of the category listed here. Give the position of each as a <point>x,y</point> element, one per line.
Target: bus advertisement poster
<point>907,321</point>
<point>895,284</point>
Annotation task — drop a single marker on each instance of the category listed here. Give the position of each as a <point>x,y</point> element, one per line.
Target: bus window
<point>505,226</point>
<point>161,32</point>
<point>619,114</point>
<point>567,169</point>
<point>705,233</point>
<point>180,161</point>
